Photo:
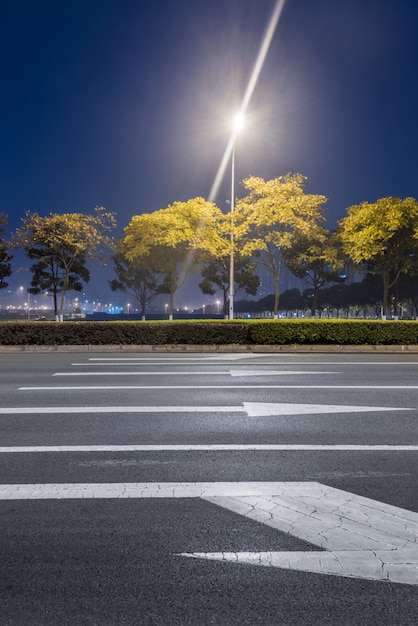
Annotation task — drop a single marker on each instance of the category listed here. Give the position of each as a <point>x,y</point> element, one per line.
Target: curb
<point>257,349</point>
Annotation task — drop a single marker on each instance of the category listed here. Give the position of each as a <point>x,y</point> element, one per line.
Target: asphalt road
<point>157,489</point>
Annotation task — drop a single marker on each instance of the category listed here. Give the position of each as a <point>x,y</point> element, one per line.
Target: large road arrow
<point>253,409</point>
<point>363,538</point>
<point>359,537</point>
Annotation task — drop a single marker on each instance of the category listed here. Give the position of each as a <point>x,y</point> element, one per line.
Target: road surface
<point>194,489</point>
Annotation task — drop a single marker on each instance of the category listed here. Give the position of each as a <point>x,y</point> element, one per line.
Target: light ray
<point>264,48</point>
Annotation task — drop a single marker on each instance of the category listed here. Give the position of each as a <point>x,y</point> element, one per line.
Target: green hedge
<point>333,332</point>
<point>122,332</point>
<point>209,332</point>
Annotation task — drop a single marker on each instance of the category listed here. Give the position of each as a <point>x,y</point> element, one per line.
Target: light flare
<point>240,116</point>
<point>264,48</point>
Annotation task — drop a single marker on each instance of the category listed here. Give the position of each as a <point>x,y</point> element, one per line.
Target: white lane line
<point>196,373</point>
<point>253,409</point>
<point>215,448</point>
<point>171,387</point>
<point>231,357</point>
<point>156,359</point>
<point>177,359</point>
<point>241,372</point>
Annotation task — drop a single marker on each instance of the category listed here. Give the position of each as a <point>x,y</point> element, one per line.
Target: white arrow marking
<point>119,373</point>
<point>363,538</point>
<point>58,491</point>
<point>265,409</point>
<point>253,409</point>
<point>276,373</point>
<point>120,409</point>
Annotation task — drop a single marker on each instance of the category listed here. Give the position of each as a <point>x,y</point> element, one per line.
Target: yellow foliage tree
<point>382,238</point>
<point>272,217</point>
<point>175,237</point>
<point>60,245</point>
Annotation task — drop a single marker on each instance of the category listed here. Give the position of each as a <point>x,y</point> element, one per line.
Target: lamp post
<point>237,125</point>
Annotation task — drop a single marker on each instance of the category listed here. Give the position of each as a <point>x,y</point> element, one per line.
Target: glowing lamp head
<point>238,122</point>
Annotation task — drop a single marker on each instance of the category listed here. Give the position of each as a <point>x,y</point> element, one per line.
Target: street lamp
<point>27,303</point>
<point>237,125</point>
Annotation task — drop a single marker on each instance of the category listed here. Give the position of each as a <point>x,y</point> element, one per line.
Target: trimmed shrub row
<point>208,332</point>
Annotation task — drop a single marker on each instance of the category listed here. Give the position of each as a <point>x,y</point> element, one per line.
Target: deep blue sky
<point>127,103</point>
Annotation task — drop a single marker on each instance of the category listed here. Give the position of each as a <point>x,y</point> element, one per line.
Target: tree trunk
<point>385,277</point>
<point>276,278</point>
<point>54,293</point>
<point>225,291</point>
<point>170,305</point>
<point>143,304</point>
<point>276,298</point>
<point>314,304</point>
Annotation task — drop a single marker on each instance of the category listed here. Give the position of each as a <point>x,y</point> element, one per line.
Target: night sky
<point>128,103</point>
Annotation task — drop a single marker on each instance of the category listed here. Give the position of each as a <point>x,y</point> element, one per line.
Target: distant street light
<point>237,125</point>
<point>27,303</point>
